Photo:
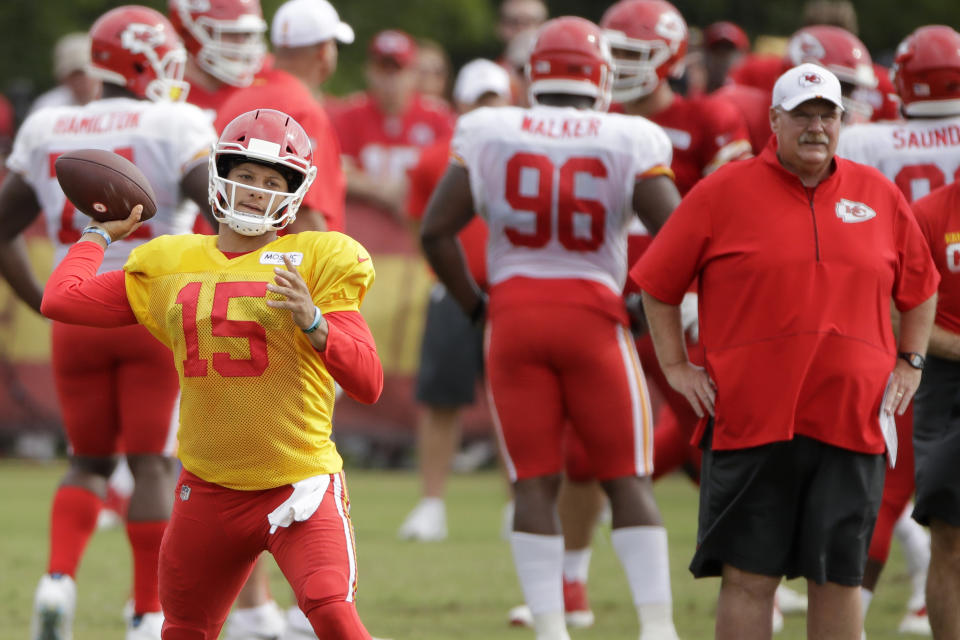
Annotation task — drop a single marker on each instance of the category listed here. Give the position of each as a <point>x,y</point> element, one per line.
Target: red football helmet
<point>842,53</point>
<point>267,137</point>
<point>571,56</point>
<point>649,41</point>
<point>137,48</point>
<point>225,37</point>
<point>926,72</point>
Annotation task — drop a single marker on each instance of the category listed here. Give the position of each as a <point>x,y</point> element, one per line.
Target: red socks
<point>145,540</point>
<point>73,519</point>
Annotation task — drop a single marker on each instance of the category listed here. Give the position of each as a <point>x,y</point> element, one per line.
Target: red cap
<point>394,45</point>
<point>726,32</point>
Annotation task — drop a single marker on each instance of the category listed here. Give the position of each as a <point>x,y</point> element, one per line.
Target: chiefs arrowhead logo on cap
<point>809,79</point>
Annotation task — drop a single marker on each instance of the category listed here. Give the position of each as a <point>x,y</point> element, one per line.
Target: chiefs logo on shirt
<point>850,211</point>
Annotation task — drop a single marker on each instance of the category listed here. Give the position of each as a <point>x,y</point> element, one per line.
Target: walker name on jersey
<point>561,129</point>
<point>948,136</point>
<point>850,211</point>
<point>101,123</point>
<point>276,257</point>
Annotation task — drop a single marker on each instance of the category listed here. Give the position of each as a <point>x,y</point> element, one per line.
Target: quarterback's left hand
<point>291,285</point>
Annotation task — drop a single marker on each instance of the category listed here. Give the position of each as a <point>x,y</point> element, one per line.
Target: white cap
<point>300,23</point>
<point>478,77</point>
<point>72,53</point>
<point>806,82</point>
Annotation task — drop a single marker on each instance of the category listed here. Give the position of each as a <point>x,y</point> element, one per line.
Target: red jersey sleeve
<point>75,294</point>
<point>676,254</point>
<point>726,136</point>
<point>917,277</point>
<point>351,356</point>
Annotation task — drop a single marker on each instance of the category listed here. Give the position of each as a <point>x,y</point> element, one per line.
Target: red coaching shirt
<point>939,218</point>
<point>424,177</point>
<point>276,89</point>
<point>794,296</point>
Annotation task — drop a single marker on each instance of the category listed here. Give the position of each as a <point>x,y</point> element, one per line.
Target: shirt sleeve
<point>23,144</point>
<point>652,151</point>
<point>345,279</point>
<point>194,136</point>
<point>75,294</point>
<point>727,137</point>
<point>351,356</point>
<point>917,277</point>
<point>677,252</point>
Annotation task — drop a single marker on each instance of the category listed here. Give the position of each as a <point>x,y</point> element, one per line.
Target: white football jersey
<point>165,140</point>
<point>918,155</point>
<point>555,186</point>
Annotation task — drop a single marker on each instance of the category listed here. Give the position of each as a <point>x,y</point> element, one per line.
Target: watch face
<point>915,360</point>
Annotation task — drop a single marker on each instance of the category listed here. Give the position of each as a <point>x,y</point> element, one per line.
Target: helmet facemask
<point>231,51</point>
<point>169,85</point>
<point>280,208</point>
<point>636,64</point>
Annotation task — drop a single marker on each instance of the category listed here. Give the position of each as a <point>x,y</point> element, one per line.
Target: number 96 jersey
<point>555,186</point>
<point>256,399</point>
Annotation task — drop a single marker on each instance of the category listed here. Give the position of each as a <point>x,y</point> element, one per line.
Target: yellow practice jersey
<point>256,399</point>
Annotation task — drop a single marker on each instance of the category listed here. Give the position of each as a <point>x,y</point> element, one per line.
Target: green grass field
<point>459,589</point>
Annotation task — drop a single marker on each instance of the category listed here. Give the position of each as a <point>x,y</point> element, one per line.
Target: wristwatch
<point>913,359</point>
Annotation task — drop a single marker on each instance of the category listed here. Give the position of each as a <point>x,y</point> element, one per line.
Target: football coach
<point>797,256</point>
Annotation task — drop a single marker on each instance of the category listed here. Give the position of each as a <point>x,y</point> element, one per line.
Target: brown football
<point>104,185</point>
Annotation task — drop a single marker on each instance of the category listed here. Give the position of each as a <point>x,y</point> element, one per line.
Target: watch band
<point>912,358</point>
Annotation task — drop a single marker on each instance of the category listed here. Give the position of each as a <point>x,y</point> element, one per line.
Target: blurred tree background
<point>29,28</point>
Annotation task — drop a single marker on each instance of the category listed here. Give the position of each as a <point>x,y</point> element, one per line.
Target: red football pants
<point>117,388</point>
<point>216,534</point>
<point>567,364</point>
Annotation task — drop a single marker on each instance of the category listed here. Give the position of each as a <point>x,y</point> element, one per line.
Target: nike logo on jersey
<point>850,211</point>
<point>276,257</point>
<point>361,259</point>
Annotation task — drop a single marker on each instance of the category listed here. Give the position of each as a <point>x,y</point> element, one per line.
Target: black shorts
<point>795,508</point>
<point>451,354</point>
<point>936,442</point>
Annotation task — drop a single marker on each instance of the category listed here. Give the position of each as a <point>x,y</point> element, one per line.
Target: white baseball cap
<point>478,77</point>
<point>804,82</point>
<point>300,23</point>
<point>72,53</point>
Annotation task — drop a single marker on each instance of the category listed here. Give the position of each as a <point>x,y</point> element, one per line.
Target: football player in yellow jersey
<point>260,327</point>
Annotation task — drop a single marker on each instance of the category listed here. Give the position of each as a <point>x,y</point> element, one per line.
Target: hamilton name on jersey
<point>96,123</point>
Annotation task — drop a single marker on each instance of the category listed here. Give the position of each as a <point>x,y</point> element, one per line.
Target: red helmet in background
<point>571,56</point>
<point>846,56</point>
<point>225,37</point>
<point>649,40</point>
<point>836,49</point>
<point>270,138</point>
<point>926,72</point>
<point>137,48</point>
